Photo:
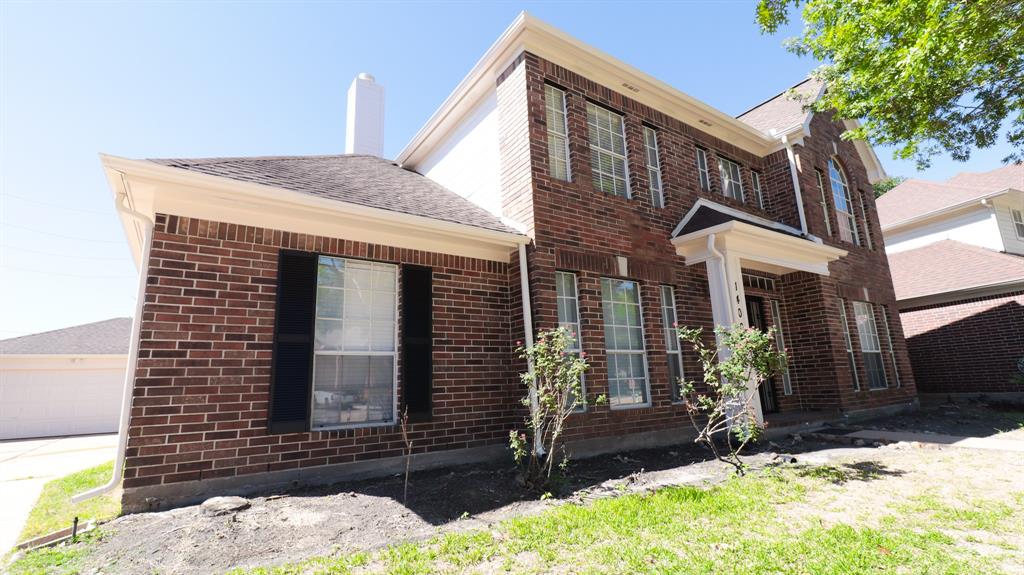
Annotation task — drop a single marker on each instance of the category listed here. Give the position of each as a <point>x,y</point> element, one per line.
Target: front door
<point>755,317</point>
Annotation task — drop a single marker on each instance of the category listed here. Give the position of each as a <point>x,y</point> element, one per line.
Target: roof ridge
<point>227,159</point>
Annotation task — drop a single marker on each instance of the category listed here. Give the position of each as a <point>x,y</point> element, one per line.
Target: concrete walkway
<point>939,439</point>
<point>26,465</point>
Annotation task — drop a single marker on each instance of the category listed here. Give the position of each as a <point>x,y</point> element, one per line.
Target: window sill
<point>391,423</point>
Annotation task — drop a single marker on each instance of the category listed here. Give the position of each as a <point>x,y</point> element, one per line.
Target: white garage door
<point>60,399</point>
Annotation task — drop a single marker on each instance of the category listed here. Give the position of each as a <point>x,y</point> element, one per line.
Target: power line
<point>76,238</point>
<point>52,254</point>
<point>52,205</point>
<point>81,276</point>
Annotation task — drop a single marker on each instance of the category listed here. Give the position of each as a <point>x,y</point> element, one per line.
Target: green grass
<point>54,560</point>
<point>54,510</point>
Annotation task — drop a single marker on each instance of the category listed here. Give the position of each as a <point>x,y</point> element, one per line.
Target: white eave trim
<point>529,34</point>
<point>153,188</point>
<point>921,218</point>
<point>978,291</point>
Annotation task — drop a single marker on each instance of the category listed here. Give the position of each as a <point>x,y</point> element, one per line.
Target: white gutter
<point>133,353</point>
<point>524,287</point>
<point>796,184</point>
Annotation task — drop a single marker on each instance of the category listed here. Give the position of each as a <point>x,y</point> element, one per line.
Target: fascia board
<point>982,290</point>
<point>754,243</point>
<point>934,214</point>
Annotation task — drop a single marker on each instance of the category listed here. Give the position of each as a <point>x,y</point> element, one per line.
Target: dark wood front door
<point>755,317</point>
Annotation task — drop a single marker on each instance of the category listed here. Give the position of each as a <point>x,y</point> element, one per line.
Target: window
<point>1018,222</point>
<point>702,170</point>
<point>732,186</point>
<point>653,167</point>
<point>568,304</point>
<point>755,180</point>
<point>849,344</point>
<point>869,346</point>
<point>558,133</point>
<point>867,222</point>
<point>672,348</point>
<point>824,201</point>
<point>780,344</point>
<point>844,207</point>
<point>608,151</point>
<point>758,282</point>
<point>624,340</point>
<point>892,350</point>
<point>354,344</point>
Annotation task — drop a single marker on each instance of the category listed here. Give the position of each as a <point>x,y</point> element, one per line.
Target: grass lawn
<point>749,525</point>
<point>54,510</point>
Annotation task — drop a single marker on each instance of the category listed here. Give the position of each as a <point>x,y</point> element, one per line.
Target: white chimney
<point>364,124</point>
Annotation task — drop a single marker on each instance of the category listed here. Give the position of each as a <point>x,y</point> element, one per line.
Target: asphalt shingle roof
<point>364,180</point>
<point>783,111</point>
<point>948,266</point>
<point>914,198</point>
<point>108,337</point>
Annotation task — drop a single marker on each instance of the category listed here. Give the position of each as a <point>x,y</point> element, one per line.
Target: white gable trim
<point>740,214</point>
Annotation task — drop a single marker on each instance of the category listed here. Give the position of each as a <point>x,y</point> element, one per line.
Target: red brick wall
<point>201,389</point>
<point>968,346</point>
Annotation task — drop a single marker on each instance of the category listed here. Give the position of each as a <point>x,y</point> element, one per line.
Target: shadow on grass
<point>859,471</point>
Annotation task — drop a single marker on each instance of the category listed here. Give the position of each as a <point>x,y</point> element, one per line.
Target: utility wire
<point>82,276</point>
<point>52,205</point>
<point>52,254</point>
<point>76,238</point>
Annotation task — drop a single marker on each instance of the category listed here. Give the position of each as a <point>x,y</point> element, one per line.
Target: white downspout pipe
<point>524,288</point>
<point>796,184</point>
<point>133,354</point>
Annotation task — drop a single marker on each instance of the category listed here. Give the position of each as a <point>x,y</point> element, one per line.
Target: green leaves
<point>924,75</point>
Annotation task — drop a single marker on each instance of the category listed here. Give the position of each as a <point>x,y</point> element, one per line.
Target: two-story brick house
<point>293,307</point>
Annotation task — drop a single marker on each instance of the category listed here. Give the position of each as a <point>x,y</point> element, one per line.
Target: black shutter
<point>291,372</point>
<point>417,341</point>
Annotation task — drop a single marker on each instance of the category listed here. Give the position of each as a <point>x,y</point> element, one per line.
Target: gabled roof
<point>784,111</point>
<point>707,214</point>
<point>108,337</point>
<point>951,266</point>
<point>913,198</point>
<point>363,180</point>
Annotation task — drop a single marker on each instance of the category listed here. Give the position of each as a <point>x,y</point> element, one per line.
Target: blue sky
<point>193,80</point>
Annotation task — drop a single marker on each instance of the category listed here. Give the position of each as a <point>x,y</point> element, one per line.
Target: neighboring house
<point>63,382</point>
<point>295,306</point>
<point>956,250</point>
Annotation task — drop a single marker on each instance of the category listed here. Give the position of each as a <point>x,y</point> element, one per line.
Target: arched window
<point>841,199</point>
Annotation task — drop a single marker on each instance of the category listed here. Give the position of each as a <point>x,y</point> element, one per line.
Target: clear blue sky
<point>194,80</point>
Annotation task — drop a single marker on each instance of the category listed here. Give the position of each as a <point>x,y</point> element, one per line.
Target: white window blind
<point>558,133</point>
<point>732,184</point>
<point>608,151</point>
<point>624,343</point>
<point>653,167</point>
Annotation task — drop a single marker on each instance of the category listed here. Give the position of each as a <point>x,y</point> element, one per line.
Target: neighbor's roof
<point>914,198</point>
<point>949,266</point>
<point>785,110</point>
<point>363,180</point>
<point>108,337</point>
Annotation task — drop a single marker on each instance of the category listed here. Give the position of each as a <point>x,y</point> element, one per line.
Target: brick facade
<point>967,346</point>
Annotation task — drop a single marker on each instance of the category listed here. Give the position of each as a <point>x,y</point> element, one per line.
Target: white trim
<point>970,292</point>
<point>793,168</point>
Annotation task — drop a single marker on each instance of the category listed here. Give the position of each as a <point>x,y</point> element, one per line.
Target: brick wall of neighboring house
<point>578,228</point>
<point>968,346</point>
<point>202,384</point>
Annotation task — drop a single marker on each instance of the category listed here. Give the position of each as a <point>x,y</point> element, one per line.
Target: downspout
<point>796,184</point>
<point>524,288</point>
<point>133,352</point>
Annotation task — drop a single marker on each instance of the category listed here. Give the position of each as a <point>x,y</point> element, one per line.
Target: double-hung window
<point>624,343</point>
<point>892,350</point>
<point>354,344</point>
<point>849,345</point>
<point>824,201</point>
<point>755,180</point>
<point>780,345</point>
<point>843,203</point>
<point>608,150</point>
<point>1018,222</point>
<point>672,348</point>
<point>869,345</point>
<point>732,183</point>
<point>568,304</point>
<point>653,167</point>
<point>702,170</point>
<point>865,220</point>
<point>558,133</point>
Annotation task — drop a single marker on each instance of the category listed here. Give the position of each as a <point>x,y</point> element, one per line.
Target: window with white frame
<point>354,344</point>
<point>843,203</point>
<point>624,343</point>
<point>780,345</point>
<point>653,167</point>
<point>702,170</point>
<point>732,183</point>
<point>870,347</point>
<point>672,348</point>
<point>568,305</point>
<point>892,350</point>
<point>849,344</point>
<point>824,200</point>
<point>755,180</point>
<point>1018,222</point>
<point>607,132</point>
<point>558,133</point>
<point>865,220</point>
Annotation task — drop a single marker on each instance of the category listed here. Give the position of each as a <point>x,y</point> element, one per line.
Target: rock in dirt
<point>224,505</point>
